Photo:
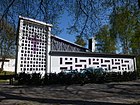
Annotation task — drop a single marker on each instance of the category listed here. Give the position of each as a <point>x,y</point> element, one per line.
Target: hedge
<point>67,79</point>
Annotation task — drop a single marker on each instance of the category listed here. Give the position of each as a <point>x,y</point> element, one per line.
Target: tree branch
<point>6,10</point>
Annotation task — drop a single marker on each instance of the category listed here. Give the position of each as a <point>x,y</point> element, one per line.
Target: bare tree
<point>45,10</point>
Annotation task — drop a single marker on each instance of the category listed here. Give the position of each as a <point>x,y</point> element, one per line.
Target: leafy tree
<point>125,23</point>
<point>135,42</point>
<point>7,41</point>
<point>49,11</point>
<point>45,10</point>
<point>135,45</point>
<point>80,41</point>
<point>91,15</point>
<point>105,42</point>
<point>86,15</point>
<point>139,3</point>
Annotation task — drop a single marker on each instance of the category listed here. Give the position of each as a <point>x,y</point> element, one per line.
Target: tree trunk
<point>2,64</point>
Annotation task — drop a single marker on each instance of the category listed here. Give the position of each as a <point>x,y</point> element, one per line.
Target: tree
<point>86,15</point>
<point>124,22</point>
<point>91,15</point>
<point>7,42</point>
<point>80,41</point>
<point>105,42</point>
<point>139,3</point>
<point>135,42</point>
<point>49,11</point>
<point>45,10</point>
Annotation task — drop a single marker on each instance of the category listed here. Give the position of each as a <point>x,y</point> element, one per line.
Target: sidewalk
<point>90,94</point>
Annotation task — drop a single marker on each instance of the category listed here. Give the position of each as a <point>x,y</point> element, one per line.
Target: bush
<point>36,79</point>
<point>24,79</point>
<point>78,78</point>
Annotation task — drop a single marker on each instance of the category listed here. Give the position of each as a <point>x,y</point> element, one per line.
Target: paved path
<point>90,94</point>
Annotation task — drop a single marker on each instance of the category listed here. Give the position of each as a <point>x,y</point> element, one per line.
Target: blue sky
<point>66,20</point>
<point>64,24</point>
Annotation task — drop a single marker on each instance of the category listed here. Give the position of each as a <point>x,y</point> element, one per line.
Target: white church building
<point>41,52</point>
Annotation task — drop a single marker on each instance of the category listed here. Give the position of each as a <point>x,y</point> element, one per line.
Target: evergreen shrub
<point>67,79</point>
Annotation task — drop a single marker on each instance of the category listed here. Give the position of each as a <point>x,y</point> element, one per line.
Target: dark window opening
<point>108,67</point>
<point>75,60</point>
<point>68,62</point>
<point>119,68</point>
<point>85,66</point>
<point>60,60</point>
<point>128,67</point>
<point>78,65</point>
<point>101,60</point>
<point>107,60</point>
<point>114,67</point>
<point>82,60</point>
<point>95,62</point>
<point>89,61</point>
<point>112,62</point>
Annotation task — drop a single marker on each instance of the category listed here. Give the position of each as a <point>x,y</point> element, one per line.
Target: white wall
<point>33,51</point>
<point>9,66</point>
<point>59,63</point>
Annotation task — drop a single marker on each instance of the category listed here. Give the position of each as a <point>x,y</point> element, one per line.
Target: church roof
<point>35,21</point>
<point>90,54</point>
<point>66,41</point>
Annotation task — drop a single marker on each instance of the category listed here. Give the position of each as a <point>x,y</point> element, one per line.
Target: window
<point>89,61</point>
<point>108,67</point>
<point>82,60</point>
<point>128,67</point>
<point>31,69</point>
<point>24,69</point>
<point>75,60</point>
<point>101,60</point>
<point>119,68</point>
<point>112,62</point>
<point>85,66</point>
<point>60,60</point>
<point>114,67</point>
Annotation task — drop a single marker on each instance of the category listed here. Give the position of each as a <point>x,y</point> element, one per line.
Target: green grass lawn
<point>6,73</point>
<point>4,81</point>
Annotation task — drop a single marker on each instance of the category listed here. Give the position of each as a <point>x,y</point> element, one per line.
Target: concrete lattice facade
<point>32,48</point>
<point>39,51</point>
<point>82,60</point>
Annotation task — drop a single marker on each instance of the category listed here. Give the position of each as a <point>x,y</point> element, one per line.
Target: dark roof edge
<point>90,54</point>
<point>68,42</point>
